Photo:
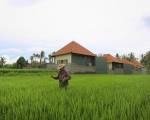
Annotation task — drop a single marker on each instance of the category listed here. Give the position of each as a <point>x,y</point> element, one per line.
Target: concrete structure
<point>110,64</point>
<point>77,58</point>
<point>80,60</point>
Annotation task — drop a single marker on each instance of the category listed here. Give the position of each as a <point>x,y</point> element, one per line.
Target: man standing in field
<point>62,76</point>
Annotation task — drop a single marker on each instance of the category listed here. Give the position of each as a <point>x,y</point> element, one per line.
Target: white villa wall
<point>63,57</point>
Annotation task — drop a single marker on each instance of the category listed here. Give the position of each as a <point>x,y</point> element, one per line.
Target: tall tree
<point>132,56</point>
<point>50,58</point>
<point>42,56</point>
<point>36,57</point>
<point>32,59</point>
<point>2,61</point>
<point>117,55</point>
<point>21,62</point>
<point>125,57</point>
<point>146,60</point>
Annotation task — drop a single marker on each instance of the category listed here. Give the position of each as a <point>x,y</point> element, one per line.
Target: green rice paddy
<point>89,97</point>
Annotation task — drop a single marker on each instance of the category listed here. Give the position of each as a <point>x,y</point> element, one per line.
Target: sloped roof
<point>127,62</point>
<point>73,47</point>
<point>110,58</point>
<point>137,64</point>
<point>134,63</point>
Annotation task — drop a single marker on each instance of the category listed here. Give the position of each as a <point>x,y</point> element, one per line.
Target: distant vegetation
<point>37,60</point>
<point>7,72</point>
<point>21,62</point>
<point>129,57</point>
<point>2,61</point>
<point>146,60</point>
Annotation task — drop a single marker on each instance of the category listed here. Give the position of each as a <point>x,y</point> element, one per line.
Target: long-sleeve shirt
<point>63,75</point>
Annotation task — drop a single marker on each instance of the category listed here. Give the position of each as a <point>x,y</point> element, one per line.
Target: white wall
<point>63,57</point>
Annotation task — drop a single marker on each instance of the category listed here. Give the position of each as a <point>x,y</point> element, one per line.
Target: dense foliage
<point>21,62</point>
<point>89,97</point>
<point>2,61</point>
<point>146,60</point>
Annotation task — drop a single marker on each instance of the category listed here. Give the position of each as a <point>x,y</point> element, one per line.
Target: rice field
<point>89,97</point>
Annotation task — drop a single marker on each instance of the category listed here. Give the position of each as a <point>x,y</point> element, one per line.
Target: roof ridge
<point>74,47</point>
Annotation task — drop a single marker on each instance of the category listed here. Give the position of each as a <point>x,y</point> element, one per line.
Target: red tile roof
<point>134,63</point>
<point>137,64</point>
<point>127,62</point>
<point>73,47</point>
<point>110,58</point>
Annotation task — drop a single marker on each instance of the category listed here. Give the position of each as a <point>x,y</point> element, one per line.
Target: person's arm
<point>57,77</point>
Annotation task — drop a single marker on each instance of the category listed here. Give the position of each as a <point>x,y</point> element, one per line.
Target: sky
<point>102,26</point>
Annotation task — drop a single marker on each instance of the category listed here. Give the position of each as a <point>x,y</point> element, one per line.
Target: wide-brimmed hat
<point>60,66</point>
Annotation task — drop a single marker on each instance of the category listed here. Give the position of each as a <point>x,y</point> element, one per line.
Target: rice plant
<point>89,97</point>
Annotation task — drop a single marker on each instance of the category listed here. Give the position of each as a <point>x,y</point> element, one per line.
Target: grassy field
<point>89,97</point>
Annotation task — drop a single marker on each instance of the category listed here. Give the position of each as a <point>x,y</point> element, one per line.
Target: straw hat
<point>60,66</point>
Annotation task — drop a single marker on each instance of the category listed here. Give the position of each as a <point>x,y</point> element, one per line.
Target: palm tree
<point>38,57</point>
<point>42,56</point>
<point>50,58</point>
<point>32,59</point>
<point>131,56</point>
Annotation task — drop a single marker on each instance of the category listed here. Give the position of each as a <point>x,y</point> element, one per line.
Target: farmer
<point>62,76</point>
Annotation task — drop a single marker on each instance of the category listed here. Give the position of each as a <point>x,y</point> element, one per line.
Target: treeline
<point>36,60</point>
<point>130,57</point>
<point>40,58</point>
<point>145,60</point>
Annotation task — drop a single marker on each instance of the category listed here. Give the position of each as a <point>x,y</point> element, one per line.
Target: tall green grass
<point>89,97</point>
<point>10,72</point>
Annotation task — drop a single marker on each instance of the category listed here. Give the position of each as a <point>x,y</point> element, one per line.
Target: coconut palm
<point>42,56</point>
<point>50,58</point>
<point>32,59</point>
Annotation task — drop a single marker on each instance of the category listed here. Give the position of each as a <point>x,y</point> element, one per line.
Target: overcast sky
<point>102,26</point>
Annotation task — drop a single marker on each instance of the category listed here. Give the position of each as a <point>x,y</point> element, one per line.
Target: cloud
<point>11,54</point>
<point>103,26</point>
<point>11,50</point>
<point>147,21</point>
<point>22,2</point>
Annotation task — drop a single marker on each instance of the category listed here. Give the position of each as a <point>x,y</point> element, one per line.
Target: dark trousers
<point>63,84</point>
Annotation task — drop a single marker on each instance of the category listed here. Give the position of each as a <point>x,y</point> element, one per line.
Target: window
<point>65,61</point>
<point>62,61</point>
